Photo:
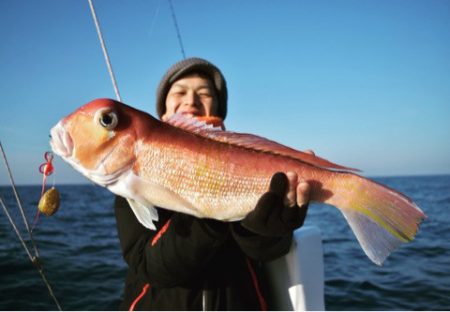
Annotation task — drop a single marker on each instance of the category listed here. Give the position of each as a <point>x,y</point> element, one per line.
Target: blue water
<point>82,260</point>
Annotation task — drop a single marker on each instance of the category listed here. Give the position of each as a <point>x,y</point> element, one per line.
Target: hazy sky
<point>362,83</point>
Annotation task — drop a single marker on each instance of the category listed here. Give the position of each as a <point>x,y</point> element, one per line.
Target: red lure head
<point>47,167</point>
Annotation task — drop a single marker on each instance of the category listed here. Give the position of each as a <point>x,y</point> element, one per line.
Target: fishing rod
<point>105,51</point>
<point>35,260</point>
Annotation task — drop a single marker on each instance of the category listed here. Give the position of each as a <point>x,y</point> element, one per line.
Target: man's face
<point>192,95</point>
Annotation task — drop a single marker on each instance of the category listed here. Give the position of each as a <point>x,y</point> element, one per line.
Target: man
<point>203,264</point>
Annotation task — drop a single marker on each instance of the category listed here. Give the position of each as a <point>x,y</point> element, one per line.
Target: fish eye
<point>108,119</point>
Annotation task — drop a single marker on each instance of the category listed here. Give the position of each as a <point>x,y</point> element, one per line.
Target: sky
<point>362,83</point>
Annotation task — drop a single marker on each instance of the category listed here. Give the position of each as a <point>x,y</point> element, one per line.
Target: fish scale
<point>214,185</point>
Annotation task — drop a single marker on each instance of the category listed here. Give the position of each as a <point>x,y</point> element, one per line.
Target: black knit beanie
<point>189,66</point>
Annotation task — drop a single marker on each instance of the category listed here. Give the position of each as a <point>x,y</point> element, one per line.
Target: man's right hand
<point>282,209</point>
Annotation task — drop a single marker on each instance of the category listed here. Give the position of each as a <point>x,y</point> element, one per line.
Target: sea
<point>81,256</point>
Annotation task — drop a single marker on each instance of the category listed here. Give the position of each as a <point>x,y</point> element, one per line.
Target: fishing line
<point>36,259</point>
<point>174,18</point>
<point>105,52</point>
<point>152,25</point>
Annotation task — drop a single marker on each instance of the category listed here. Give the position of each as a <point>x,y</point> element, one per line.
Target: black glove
<point>271,217</point>
<point>184,224</point>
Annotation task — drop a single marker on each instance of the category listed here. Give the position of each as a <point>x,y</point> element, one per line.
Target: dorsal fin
<point>197,124</point>
<point>210,130</point>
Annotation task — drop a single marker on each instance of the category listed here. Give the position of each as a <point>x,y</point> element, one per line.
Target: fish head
<point>98,140</point>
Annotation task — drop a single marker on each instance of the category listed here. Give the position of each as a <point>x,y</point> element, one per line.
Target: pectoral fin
<point>145,214</point>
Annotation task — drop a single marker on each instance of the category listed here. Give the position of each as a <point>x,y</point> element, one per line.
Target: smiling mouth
<point>191,114</point>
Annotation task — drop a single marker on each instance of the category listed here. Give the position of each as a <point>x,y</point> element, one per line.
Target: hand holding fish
<point>282,209</point>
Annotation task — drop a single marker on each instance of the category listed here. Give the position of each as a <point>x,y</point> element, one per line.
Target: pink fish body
<point>191,167</point>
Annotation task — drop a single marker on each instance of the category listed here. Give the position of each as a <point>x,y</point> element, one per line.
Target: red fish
<point>189,166</point>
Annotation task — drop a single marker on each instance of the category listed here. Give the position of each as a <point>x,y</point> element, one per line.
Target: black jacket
<point>193,264</point>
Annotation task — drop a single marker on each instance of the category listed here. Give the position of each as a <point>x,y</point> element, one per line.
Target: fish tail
<point>380,217</point>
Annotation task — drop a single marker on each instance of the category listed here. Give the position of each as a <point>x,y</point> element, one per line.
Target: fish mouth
<point>62,145</point>
<point>61,142</point>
